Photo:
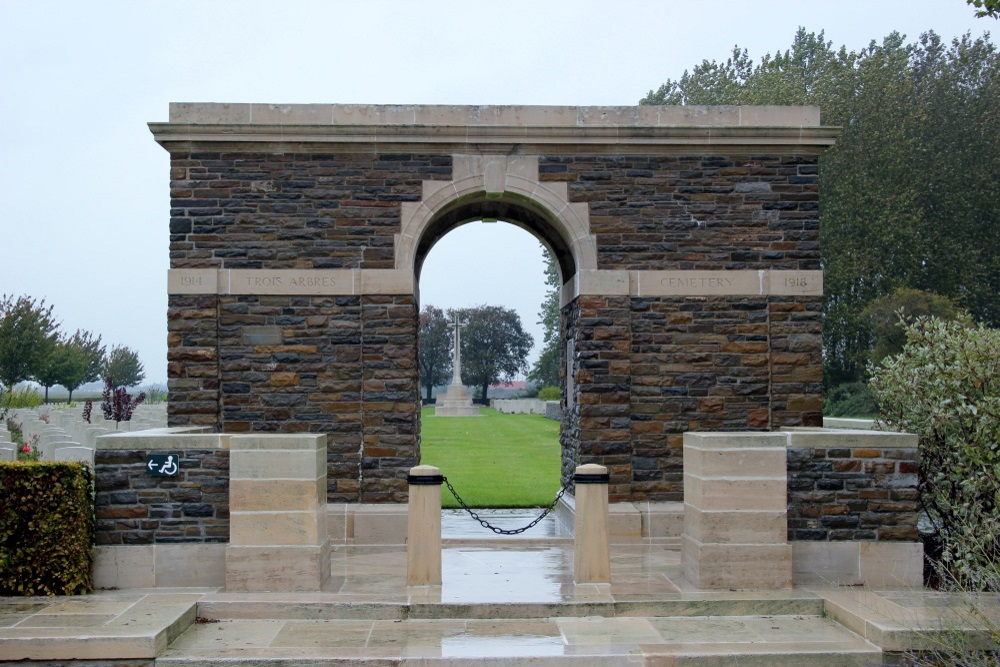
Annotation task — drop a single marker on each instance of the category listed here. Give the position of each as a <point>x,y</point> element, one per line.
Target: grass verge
<point>496,460</point>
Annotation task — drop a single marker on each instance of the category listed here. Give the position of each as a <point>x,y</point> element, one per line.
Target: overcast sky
<point>84,186</point>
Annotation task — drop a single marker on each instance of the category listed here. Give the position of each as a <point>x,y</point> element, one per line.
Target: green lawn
<point>495,460</point>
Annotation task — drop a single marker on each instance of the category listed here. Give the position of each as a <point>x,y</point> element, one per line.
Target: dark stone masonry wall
<point>647,369</point>
<point>697,212</point>
<point>193,360</point>
<point>135,508</point>
<point>284,211</point>
<point>853,494</point>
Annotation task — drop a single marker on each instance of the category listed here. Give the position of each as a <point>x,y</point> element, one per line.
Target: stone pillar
<point>277,497</point>
<point>423,530</point>
<point>591,547</point>
<point>735,506</point>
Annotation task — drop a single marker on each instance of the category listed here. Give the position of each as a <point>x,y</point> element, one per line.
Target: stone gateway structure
<point>687,239</point>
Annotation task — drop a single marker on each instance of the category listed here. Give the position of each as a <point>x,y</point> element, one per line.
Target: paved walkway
<point>514,602</point>
<point>500,602</point>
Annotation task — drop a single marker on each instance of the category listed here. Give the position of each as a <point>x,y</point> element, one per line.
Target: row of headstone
<point>64,435</point>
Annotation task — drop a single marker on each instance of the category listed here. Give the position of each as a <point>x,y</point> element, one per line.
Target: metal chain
<point>500,531</point>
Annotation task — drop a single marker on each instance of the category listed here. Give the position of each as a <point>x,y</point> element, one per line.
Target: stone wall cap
<point>216,113</point>
<point>179,438</point>
<point>440,129</point>
<point>840,438</point>
<point>277,441</point>
<point>733,439</point>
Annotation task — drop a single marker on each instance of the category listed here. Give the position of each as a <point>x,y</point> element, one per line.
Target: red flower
<point>26,448</point>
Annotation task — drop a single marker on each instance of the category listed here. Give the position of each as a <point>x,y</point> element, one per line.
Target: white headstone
<point>74,453</point>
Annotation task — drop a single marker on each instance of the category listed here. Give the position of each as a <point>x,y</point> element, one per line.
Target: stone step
<point>796,641</point>
<point>93,627</point>
<point>274,606</point>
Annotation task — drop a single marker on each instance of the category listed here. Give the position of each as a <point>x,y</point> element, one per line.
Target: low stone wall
<point>852,485</point>
<point>519,406</point>
<point>136,508</point>
<point>841,503</point>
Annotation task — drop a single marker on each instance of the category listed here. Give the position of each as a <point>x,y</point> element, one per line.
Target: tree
<point>28,334</point>
<point>122,367</point>
<point>888,315</point>
<point>434,349</point>
<point>545,372</point>
<point>910,191</point>
<point>48,371</point>
<point>79,360</point>
<point>494,346</point>
<point>985,8</point>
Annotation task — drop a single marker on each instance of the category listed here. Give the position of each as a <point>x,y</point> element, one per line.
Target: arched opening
<point>524,214</point>
<point>485,229</point>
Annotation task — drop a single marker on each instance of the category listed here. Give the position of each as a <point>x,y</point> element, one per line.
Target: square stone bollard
<point>735,511</point>
<point>277,500</point>
<point>423,528</point>
<point>591,526</point>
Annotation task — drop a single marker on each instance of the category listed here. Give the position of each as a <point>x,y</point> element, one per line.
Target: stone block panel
<point>796,359</point>
<point>277,568</point>
<point>136,508</point>
<point>192,360</point>
<point>599,421</point>
<point>704,212</point>
<point>292,210</point>
<point>736,566</point>
<point>740,527</point>
<point>697,364</point>
<point>863,494</point>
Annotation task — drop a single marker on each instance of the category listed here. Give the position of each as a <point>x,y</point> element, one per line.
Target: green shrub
<point>23,396</point>
<point>46,528</point>
<point>549,394</point>
<point>156,393</point>
<point>945,387</point>
<point>852,399</point>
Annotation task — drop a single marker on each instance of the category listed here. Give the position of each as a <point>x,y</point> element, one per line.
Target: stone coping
<point>195,437</point>
<point>205,113</point>
<point>734,439</point>
<point>832,438</point>
<point>277,441</point>
<point>848,423</point>
<point>478,130</point>
<point>201,437</point>
<point>175,437</point>
<point>804,438</point>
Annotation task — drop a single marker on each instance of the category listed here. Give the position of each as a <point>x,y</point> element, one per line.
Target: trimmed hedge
<point>46,528</point>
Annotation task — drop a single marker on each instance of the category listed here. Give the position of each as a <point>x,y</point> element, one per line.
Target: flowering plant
<point>87,408</point>
<point>28,451</point>
<point>15,430</point>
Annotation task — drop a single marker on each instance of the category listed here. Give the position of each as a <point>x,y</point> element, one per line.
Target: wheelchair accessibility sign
<point>162,465</point>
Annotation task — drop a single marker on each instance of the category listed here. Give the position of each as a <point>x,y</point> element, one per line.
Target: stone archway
<point>688,238</point>
<point>497,187</point>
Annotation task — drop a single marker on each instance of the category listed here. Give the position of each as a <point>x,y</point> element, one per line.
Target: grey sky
<point>84,187</point>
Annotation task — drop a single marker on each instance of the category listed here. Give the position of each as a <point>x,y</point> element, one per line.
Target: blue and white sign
<point>162,465</point>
